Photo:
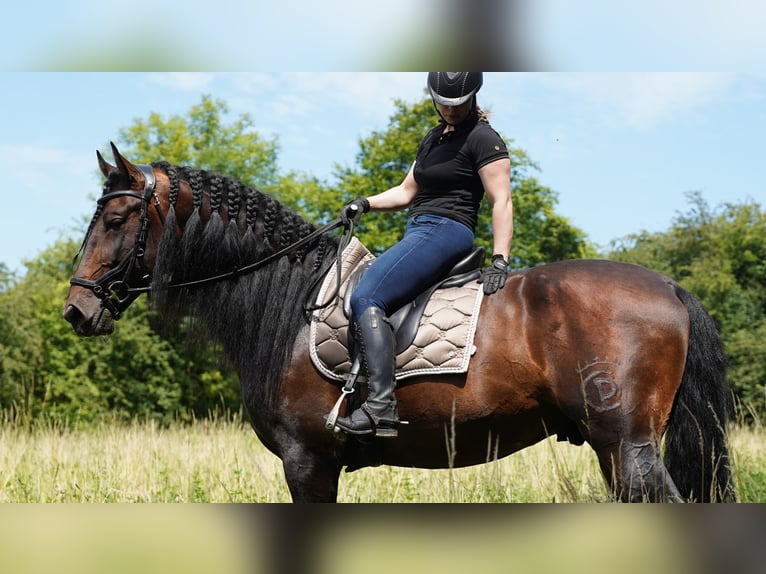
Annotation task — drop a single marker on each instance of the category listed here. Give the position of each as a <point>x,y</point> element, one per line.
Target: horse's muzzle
<point>100,324</point>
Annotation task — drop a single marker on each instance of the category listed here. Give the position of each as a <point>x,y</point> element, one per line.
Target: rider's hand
<point>494,276</point>
<point>353,210</point>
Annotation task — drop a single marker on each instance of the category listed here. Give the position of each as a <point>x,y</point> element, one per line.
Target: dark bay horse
<point>591,351</point>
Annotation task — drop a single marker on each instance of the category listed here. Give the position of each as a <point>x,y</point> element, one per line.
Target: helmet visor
<point>450,101</point>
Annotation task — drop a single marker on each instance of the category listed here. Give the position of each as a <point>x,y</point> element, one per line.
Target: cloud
<point>292,105</point>
<point>301,94</point>
<point>367,93</point>
<point>182,80</point>
<point>22,157</point>
<point>644,100</point>
<point>35,171</point>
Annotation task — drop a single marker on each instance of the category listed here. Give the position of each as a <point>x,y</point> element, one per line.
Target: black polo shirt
<point>447,170</point>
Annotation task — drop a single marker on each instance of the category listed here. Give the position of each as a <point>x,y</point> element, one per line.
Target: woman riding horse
<point>614,355</point>
<point>457,162</point>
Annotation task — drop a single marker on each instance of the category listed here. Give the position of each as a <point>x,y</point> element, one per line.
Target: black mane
<point>255,316</point>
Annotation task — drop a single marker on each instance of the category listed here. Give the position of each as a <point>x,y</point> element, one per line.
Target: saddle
<point>434,333</point>
<point>406,320</point>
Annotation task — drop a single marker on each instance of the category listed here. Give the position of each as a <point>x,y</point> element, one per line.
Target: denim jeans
<point>431,246</point>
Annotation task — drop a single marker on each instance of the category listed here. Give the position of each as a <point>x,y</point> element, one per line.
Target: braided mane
<point>255,316</point>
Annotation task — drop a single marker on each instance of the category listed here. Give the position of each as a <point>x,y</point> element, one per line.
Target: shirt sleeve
<point>486,146</point>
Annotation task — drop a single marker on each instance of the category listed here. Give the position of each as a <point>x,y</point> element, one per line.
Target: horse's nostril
<point>72,314</point>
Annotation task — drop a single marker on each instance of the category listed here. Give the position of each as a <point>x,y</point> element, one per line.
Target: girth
<point>406,320</point>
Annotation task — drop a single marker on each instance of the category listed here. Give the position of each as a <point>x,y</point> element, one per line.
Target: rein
<point>247,268</point>
<point>113,289</point>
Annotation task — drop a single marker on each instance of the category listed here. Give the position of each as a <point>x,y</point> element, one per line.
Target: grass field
<point>223,461</point>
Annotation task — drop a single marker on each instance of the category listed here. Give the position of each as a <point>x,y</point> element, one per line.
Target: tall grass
<point>208,461</point>
<point>221,460</point>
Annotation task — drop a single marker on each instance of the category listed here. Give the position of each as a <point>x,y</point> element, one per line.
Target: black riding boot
<point>378,414</point>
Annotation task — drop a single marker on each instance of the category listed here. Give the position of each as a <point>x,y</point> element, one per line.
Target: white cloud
<point>36,171</point>
<point>30,157</point>
<point>182,80</point>
<point>643,100</point>
<point>364,92</point>
<point>292,105</point>
<point>323,97</point>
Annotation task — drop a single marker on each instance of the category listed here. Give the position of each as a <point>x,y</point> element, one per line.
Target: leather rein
<point>113,289</point>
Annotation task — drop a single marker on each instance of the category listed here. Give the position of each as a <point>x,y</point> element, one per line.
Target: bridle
<point>113,289</point>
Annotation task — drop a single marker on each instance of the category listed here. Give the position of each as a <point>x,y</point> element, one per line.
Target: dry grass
<point>223,461</point>
<point>206,462</point>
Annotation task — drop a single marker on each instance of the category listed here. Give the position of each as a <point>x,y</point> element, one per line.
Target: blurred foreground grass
<point>222,461</point>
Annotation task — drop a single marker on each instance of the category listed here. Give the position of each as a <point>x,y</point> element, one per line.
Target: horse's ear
<point>106,167</point>
<point>125,167</point>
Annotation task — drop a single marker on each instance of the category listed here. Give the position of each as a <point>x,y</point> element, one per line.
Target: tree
<point>46,369</point>
<point>203,140</point>
<point>6,278</point>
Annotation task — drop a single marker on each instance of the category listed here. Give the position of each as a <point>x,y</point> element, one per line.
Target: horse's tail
<point>696,446</point>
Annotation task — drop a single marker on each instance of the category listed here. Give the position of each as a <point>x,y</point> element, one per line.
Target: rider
<point>458,161</point>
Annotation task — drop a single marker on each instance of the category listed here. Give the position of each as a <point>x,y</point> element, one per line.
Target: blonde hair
<point>483,116</point>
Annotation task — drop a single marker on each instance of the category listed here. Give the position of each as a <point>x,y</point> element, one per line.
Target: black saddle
<point>406,320</point>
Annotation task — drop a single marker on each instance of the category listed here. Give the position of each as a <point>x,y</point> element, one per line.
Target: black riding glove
<point>494,275</point>
<point>353,210</point>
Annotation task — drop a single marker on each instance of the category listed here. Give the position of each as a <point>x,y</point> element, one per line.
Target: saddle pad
<point>444,341</point>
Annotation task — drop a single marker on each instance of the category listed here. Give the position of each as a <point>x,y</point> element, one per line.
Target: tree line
<point>716,252</point>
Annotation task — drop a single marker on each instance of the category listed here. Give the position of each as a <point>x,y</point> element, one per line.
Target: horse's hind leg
<point>636,473</point>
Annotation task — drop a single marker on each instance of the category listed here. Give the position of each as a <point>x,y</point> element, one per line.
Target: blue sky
<point>621,149</point>
<point>595,35</point>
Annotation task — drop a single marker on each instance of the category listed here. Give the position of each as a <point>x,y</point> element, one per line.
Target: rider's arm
<point>496,179</point>
<point>396,197</point>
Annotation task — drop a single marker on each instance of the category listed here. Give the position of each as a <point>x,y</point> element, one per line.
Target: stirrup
<point>378,427</point>
<point>347,389</point>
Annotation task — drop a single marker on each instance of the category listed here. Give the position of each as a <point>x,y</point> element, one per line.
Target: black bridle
<point>113,289</point>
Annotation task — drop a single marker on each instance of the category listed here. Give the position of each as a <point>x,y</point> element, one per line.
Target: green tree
<point>203,139</point>
<point>6,278</point>
<point>46,369</point>
<point>20,349</point>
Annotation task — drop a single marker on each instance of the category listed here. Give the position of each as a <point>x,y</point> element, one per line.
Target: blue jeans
<point>431,246</point>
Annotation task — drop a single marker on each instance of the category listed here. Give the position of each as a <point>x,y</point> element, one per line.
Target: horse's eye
<point>114,222</point>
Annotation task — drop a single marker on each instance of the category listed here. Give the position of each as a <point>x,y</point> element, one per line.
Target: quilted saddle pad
<point>444,341</point>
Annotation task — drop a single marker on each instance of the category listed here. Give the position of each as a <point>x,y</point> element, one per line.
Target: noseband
<point>112,287</point>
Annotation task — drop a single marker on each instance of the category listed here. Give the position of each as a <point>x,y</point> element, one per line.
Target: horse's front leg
<point>311,477</point>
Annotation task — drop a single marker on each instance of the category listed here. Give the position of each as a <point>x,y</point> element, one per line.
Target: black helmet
<point>454,88</point>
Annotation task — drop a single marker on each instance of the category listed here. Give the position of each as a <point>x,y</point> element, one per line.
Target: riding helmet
<point>454,88</point>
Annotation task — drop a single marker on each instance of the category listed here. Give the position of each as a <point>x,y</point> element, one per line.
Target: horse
<point>590,351</point>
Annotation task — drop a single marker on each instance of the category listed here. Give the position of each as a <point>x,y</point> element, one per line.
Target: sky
<point>549,35</point>
<point>622,150</point>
